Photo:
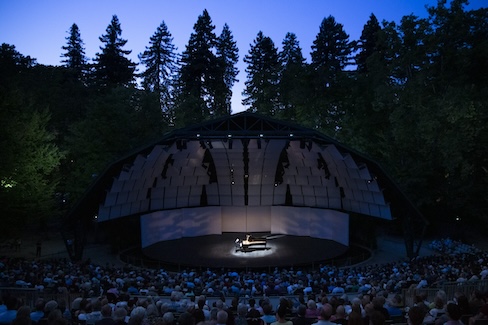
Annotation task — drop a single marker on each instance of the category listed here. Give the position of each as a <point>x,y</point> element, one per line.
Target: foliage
<point>413,95</point>
<point>75,59</point>
<point>263,67</point>
<point>196,89</point>
<point>112,67</point>
<point>330,57</point>
<point>292,86</point>
<point>160,62</point>
<point>30,156</point>
<point>227,57</point>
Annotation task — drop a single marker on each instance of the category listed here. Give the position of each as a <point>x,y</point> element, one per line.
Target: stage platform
<point>220,251</point>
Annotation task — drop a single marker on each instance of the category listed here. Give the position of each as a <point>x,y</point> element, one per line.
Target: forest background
<point>413,96</point>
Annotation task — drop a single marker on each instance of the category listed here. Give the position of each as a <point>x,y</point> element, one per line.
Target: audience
<point>108,294</point>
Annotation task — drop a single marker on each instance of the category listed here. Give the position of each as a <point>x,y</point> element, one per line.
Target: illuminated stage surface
<point>220,251</point>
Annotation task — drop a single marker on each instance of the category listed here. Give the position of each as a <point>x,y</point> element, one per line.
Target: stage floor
<point>220,251</point>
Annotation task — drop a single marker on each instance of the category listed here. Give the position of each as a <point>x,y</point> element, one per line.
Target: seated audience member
<point>481,315</point>
<point>168,318</point>
<point>300,318</point>
<point>56,318</point>
<point>312,310</point>
<point>268,317</point>
<point>355,318</point>
<point>281,317</point>
<point>222,317</point>
<point>9,315</point>
<point>137,316</point>
<point>96,314</point>
<point>394,306</point>
<point>38,312</point>
<point>252,312</point>
<point>106,316</point>
<point>120,316</point>
<point>186,319</point>
<point>241,314</point>
<point>378,305</point>
<point>416,315</point>
<point>439,308</point>
<point>23,314</point>
<point>340,316</point>
<point>325,315</point>
<point>454,314</point>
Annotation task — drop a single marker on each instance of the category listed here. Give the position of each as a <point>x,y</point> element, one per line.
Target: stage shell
<point>241,174</point>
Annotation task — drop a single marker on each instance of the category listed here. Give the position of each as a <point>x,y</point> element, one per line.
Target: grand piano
<point>251,243</point>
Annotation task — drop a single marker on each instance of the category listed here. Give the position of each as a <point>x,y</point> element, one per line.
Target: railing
<point>450,288</point>
<point>29,296</point>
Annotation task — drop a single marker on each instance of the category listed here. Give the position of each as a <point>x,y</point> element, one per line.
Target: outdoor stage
<point>220,251</point>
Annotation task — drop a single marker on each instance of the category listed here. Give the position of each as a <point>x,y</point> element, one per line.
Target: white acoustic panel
<point>258,219</point>
<point>233,219</point>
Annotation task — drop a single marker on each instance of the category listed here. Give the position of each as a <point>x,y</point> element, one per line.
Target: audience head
<point>453,311</point>
<point>186,319</point>
<point>24,311</point>
<point>168,318</point>
<point>222,317</point>
<point>106,311</point>
<point>326,312</point>
<point>241,310</point>
<point>416,315</point>
<point>340,312</point>
<point>120,314</point>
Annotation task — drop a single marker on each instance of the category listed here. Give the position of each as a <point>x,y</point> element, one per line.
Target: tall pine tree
<point>368,43</point>
<point>293,89</point>
<point>227,57</point>
<point>198,72</point>
<point>263,68</point>
<point>75,59</point>
<point>113,68</point>
<point>330,56</point>
<point>369,107</point>
<point>160,60</point>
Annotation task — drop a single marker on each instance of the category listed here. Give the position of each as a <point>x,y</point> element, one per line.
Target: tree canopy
<point>412,94</point>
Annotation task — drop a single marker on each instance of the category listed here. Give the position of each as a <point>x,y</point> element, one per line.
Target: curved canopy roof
<point>243,160</point>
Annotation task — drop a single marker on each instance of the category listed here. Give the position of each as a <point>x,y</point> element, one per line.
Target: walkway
<point>389,249</point>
